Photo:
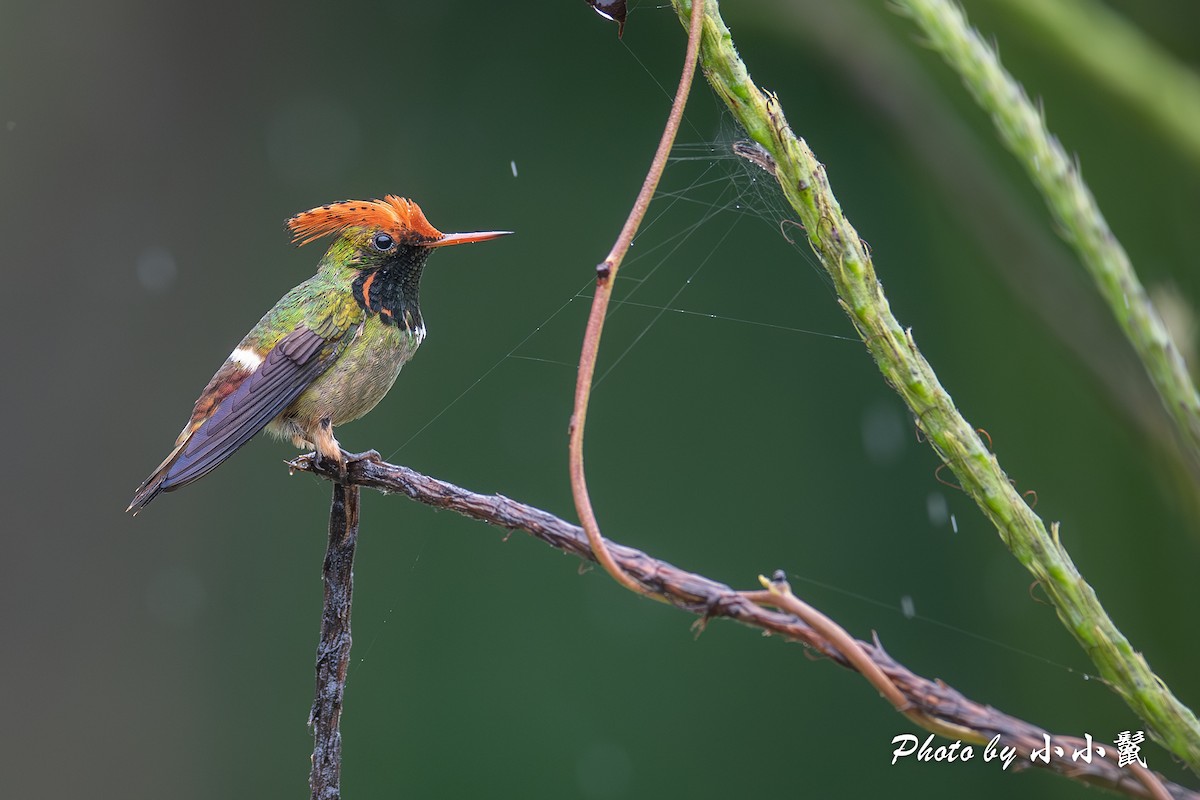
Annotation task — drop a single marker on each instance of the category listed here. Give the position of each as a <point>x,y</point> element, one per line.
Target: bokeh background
<point>148,155</point>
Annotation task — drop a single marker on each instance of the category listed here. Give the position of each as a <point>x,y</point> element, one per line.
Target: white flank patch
<point>419,332</point>
<point>246,358</point>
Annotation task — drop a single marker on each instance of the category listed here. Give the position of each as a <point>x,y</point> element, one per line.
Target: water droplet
<point>907,607</point>
<point>611,10</point>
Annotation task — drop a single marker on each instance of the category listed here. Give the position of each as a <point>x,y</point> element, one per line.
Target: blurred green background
<point>148,155</point>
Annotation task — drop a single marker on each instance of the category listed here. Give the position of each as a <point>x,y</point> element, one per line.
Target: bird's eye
<point>382,242</point>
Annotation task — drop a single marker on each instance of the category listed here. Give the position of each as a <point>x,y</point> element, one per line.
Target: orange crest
<point>398,216</point>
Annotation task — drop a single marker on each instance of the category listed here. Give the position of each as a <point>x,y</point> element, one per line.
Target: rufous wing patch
<point>228,378</point>
<point>240,405</point>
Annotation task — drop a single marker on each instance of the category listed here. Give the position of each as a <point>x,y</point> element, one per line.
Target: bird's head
<point>373,234</point>
<point>378,253</point>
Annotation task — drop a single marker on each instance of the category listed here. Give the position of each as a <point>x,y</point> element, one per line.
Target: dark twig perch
<point>333,651</point>
<point>930,703</point>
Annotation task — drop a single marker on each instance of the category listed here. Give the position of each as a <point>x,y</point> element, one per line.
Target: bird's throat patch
<point>391,292</point>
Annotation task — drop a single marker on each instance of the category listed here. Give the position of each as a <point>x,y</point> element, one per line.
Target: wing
<point>289,368</point>
<point>244,404</point>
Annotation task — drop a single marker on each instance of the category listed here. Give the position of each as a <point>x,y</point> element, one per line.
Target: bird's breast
<point>361,376</point>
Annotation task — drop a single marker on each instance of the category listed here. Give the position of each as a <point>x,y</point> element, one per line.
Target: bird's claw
<point>339,465</point>
<point>316,462</point>
<point>370,456</point>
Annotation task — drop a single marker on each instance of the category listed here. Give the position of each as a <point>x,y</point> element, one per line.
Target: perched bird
<point>330,348</point>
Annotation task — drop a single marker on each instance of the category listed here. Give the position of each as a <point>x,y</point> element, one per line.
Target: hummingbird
<point>328,351</point>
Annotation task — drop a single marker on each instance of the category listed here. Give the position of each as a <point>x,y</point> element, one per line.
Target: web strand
<point>946,626</point>
<point>658,316</point>
<point>487,372</point>
<point>659,254</point>
<point>741,193</point>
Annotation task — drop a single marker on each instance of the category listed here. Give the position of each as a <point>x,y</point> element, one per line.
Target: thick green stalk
<point>1057,177</point>
<point>1120,57</point>
<point>846,260</point>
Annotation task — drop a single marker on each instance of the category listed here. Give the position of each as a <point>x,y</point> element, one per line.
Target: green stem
<point>1023,130</point>
<point>1120,57</point>
<point>844,257</point>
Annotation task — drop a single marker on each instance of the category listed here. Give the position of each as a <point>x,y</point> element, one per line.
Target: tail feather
<point>146,492</point>
<point>159,480</point>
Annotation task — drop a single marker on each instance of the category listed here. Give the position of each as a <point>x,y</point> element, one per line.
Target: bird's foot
<point>370,456</point>
<point>338,464</point>
<point>319,462</point>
